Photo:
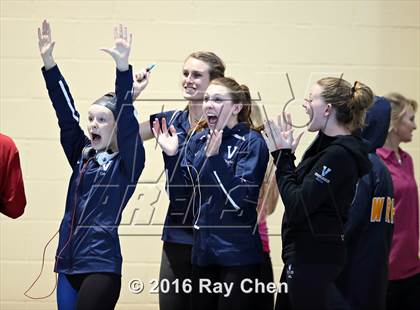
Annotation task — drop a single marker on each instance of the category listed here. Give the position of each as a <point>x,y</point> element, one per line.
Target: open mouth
<point>308,112</point>
<point>212,119</point>
<point>96,138</point>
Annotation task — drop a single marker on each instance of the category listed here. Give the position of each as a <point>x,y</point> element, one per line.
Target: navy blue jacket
<point>225,189</point>
<point>368,231</point>
<point>97,194</point>
<point>179,217</point>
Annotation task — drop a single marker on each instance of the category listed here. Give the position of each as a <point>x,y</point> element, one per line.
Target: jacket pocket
<point>103,242</point>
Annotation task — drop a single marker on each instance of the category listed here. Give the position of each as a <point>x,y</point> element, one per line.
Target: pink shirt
<point>404,258</point>
<point>263,230</point>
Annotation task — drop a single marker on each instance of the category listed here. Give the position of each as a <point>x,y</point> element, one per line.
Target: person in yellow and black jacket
<point>368,231</point>
<point>318,193</point>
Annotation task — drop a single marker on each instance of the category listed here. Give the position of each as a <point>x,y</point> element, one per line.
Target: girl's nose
<point>189,78</point>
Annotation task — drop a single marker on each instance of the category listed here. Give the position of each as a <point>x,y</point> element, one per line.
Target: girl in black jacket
<point>318,192</point>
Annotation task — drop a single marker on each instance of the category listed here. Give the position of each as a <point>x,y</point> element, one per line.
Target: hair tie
<point>353,89</point>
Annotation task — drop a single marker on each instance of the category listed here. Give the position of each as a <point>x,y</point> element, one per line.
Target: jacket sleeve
<point>168,115</point>
<point>12,199</point>
<point>359,212</point>
<point>72,138</point>
<point>242,184</point>
<point>318,186</point>
<point>179,170</point>
<point>130,145</point>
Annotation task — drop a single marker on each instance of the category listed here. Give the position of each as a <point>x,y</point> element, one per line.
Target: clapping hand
<point>214,140</point>
<point>280,136</point>
<point>167,139</point>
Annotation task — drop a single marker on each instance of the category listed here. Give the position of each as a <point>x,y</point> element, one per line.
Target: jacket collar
<point>239,131</point>
<point>386,152</point>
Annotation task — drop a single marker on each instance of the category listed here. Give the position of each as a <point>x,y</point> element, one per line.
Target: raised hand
<point>140,81</point>
<point>121,49</point>
<point>280,136</point>
<point>289,130</point>
<point>167,142</point>
<point>214,140</point>
<point>46,45</point>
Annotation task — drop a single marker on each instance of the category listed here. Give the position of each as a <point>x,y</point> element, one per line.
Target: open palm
<point>280,136</point>
<point>46,45</point>
<point>121,49</point>
<point>167,140</point>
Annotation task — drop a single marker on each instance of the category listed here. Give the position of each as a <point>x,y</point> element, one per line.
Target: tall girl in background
<point>317,194</point>
<point>105,170</point>
<point>199,69</point>
<point>267,202</point>
<point>404,261</point>
<point>225,162</point>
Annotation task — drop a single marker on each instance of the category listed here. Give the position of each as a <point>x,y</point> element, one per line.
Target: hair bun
<point>362,97</point>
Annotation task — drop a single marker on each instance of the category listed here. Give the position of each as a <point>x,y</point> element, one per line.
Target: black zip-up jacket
<point>317,195</point>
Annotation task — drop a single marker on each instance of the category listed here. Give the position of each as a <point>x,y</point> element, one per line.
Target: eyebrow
<point>97,114</point>
<point>224,97</point>
<point>194,71</point>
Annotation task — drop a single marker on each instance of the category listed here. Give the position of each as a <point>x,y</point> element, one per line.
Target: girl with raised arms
<point>105,169</point>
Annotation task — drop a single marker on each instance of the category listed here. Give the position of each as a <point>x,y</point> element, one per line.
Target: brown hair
<point>239,94</point>
<point>216,65</point>
<point>350,103</point>
<point>269,193</point>
<point>399,105</point>
<point>257,117</point>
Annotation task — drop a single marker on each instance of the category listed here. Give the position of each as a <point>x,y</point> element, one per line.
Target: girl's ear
<point>328,110</point>
<point>237,107</point>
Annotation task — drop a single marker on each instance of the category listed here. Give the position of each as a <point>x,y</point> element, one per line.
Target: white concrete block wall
<point>376,42</point>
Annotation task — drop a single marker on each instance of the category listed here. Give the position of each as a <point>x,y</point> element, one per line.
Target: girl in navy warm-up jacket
<point>198,70</point>
<point>105,170</point>
<point>223,168</point>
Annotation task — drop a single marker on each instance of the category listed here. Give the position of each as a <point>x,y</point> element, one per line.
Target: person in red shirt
<point>404,261</point>
<point>12,192</point>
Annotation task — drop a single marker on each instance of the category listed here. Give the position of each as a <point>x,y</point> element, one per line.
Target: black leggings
<point>265,300</point>
<point>237,299</point>
<point>96,290</point>
<point>404,294</point>
<point>309,286</point>
<point>175,265</point>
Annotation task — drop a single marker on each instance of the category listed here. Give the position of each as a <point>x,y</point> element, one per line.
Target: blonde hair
<point>399,105</point>
<point>257,117</point>
<point>350,102</point>
<point>269,193</point>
